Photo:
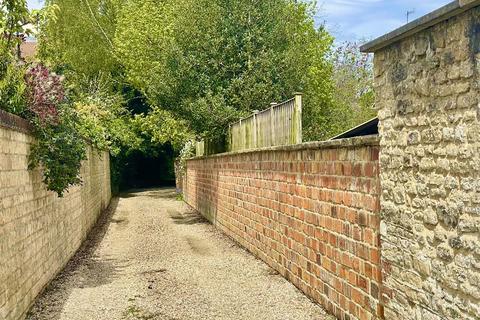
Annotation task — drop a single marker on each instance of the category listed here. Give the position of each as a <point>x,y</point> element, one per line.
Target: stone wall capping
<point>11,121</point>
<point>446,12</point>
<point>371,140</point>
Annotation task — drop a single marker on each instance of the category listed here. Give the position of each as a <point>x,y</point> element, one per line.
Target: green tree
<point>205,63</point>
<point>161,127</point>
<point>78,37</point>
<point>353,95</point>
<point>211,61</point>
<point>104,119</point>
<point>78,41</point>
<point>13,17</point>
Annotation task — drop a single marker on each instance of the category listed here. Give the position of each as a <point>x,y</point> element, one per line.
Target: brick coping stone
<point>11,121</point>
<point>371,140</point>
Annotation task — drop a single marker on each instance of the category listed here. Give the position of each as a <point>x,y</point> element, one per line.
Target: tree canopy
<point>138,75</point>
<point>78,36</point>
<point>210,62</point>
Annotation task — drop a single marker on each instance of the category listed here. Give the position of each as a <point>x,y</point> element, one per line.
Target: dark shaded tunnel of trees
<point>151,165</point>
<point>141,170</point>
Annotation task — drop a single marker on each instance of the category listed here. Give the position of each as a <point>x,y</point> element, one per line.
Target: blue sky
<point>356,20</point>
<point>34,4</point>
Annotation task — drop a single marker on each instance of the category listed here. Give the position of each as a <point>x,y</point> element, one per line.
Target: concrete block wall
<point>427,87</point>
<point>309,211</point>
<point>40,232</point>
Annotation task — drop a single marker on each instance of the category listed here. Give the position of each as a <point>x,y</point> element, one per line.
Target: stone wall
<point>40,232</point>
<point>310,211</point>
<point>427,87</point>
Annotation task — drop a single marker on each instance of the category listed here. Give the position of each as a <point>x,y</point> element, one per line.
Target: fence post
<point>229,138</point>
<point>200,148</point>
<point>255,137</point>
<point>272,124</point>
<point>241,135</point>
<point>297,119</point>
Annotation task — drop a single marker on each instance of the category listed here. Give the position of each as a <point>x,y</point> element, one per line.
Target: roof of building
<point>365,129</point>
<point>452,9</point>
<point>28,50</point>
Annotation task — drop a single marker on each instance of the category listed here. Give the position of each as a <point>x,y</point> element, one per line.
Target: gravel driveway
<point>151,257</point>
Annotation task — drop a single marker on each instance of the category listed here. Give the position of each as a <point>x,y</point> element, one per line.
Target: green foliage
<point>351,97</point>
<point>162,128</point>
<point>59,150</point>
<point>13,16</point>
<point>103,118</point>
<point>38,95</point>
<point>12,88</point>
<point>354,96</point>
<point>58,147</point>
<point>206,63</point>
<point>76,35</point>
<point>147,73</point>
<point>188,151</point>
<point>209,62</point>
<point>78,41</point>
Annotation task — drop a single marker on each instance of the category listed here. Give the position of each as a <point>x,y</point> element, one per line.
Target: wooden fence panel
<point>279,125</point>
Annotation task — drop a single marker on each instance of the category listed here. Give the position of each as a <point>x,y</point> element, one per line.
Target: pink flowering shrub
<point>45,93</point>
<point>59,148</point>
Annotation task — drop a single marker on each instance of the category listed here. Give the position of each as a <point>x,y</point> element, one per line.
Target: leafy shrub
<point>39,95</point>
<point>187,152</point>
<point>162,127</point>
<point>13,17</point>
<point>58,147</point>
<point>45,94</point>
<point>12,86</point>
<point>354,95</point>
<point>104,119</point>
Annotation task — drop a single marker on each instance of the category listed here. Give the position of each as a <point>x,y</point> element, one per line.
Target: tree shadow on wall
<point>84,270</point>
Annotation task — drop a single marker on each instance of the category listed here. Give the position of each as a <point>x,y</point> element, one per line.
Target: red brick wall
<point>310,211</point>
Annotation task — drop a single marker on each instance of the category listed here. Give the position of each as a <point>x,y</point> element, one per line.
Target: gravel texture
<point>151,257</point>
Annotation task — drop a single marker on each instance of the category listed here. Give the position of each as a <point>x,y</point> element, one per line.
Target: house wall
<point>427,88</point>
<point>40,232</point>
<point>309,211</point>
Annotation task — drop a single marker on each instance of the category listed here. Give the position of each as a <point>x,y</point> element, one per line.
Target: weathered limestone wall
<point>309,211</point>
<point>427,88</point>
<point>39,232</point>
